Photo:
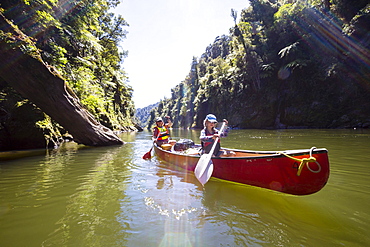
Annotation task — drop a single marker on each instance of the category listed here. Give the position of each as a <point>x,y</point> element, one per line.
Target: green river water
<point>110,196</point>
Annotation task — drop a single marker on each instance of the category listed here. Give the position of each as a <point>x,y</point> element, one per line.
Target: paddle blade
<point>202,166</point>
<point>148,155</point>
<point>207,174</point>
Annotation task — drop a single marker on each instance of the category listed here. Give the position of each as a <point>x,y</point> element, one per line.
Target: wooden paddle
<point>204,168</point>
<point>148,155</point>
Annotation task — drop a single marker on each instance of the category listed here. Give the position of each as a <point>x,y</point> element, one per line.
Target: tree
<point>80,40</point>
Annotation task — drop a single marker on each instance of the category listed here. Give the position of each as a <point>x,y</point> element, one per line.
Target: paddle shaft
<point>148,154</point>
<point>204,164</point>
<point>216,140</point>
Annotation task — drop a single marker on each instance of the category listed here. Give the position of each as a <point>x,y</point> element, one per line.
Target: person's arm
<point>155,133</point>
<point>169,122</point>
<point>226,129</point>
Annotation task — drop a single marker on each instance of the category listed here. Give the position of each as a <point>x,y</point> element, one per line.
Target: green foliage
<point>285,64</point>
<point>81,40</point>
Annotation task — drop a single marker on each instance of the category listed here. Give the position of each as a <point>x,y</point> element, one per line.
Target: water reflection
<point>73,195</point>
<point>260,217</point>
<point>78,196</point>
<point>170,207</point>
<point>90,210</point>
<point>175,193</point>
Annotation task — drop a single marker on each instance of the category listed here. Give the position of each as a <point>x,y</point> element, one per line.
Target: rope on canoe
<point>305,161</point>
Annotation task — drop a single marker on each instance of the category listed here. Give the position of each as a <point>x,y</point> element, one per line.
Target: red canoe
<point>297,172</point>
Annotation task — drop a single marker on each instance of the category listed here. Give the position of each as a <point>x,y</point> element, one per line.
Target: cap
<point>159,119</point>
<point>211,118</point>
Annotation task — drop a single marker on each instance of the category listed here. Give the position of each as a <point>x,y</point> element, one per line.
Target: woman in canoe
<point>161,132</point>
<point>209,134</point>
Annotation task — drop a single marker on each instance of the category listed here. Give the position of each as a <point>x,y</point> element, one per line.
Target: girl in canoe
<point>210,133</point>
<point>161,132</point>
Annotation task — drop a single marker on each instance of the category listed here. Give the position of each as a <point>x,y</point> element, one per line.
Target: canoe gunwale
<point>257,154</point>
<point>273,170</point>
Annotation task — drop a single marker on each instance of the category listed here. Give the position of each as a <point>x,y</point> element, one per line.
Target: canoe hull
<point>270,170</point>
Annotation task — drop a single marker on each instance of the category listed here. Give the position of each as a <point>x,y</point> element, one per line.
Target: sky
<point>163,37</point>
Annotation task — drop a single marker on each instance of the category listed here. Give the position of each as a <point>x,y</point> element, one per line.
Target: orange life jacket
<point>164,133</point>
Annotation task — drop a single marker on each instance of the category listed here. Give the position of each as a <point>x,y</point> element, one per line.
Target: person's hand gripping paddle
<point>204,168</point>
